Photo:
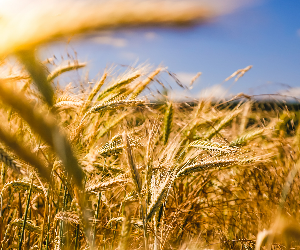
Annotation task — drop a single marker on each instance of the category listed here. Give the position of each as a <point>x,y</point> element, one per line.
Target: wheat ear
<point>120,83</point>
<point>67,104</point>
<point>161,196</point>
<point>210,164</point>
<point>247,137</point>
<point>111,105</point>
<point>133,170</point>
<point>69,217</point>
<point>239,73</point>
<point>112,122</point>
<point>213,146</point>
<point>94,92</point>
<point>144,83</point>
<point>29,226</point>
<point>194,79</point>
<point>60,70</point>
<point>168,122</point>
<point>115,146</point>
<point>105,185</point>
<point>4,157</point>
<point>22,185</point>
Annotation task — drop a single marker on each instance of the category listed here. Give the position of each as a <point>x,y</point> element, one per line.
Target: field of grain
<point>100,166</point>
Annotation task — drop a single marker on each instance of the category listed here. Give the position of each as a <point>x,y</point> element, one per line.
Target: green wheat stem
<point>96,218</point>
<point>25,216</point>
<point>77,237</point>
<point>49,223</point>
<point>168,123</point>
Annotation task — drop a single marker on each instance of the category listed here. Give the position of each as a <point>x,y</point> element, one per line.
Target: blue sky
<point>265,34</point>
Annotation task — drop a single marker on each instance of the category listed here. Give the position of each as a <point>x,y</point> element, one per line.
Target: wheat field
<point>100,166</point>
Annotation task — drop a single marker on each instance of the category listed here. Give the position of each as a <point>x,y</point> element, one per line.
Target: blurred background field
<point>149,125</point>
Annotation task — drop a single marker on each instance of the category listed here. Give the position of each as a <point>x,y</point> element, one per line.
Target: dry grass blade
<point>60,70</point>
<point>224,122</point>
<point>133,170</point>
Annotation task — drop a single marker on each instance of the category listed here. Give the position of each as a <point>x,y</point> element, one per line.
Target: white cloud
<point>293,92</point>
<point>180,95</point>
<point>215,92</point>
<point>110,40</point>
<point>150,35</point>
<point>298,32</point>
<point>186,78</point>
